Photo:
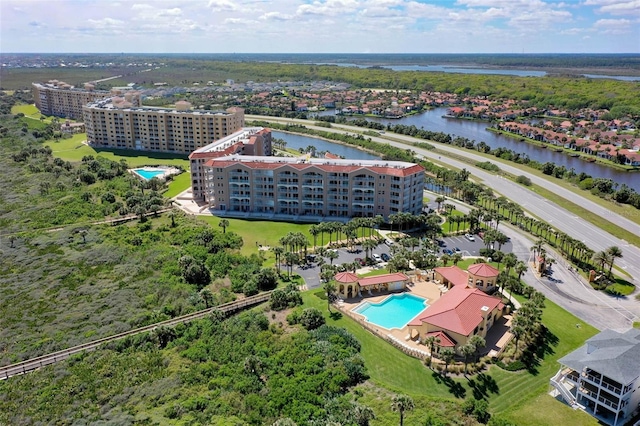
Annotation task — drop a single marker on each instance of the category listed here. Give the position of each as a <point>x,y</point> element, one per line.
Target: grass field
<point>74,149</point>
<point>180,183</point>
<point>256,233</point>
<point>522,396</point>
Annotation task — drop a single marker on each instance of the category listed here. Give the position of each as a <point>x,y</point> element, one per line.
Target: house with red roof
<point>459,314</point>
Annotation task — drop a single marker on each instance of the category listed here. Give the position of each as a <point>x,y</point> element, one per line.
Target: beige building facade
<point>60,99</point>
<point>247,141</point>
<point>311,189</point>
<point>118,123</point>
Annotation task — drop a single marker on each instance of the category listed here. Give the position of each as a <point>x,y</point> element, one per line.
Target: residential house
<point>603,376</point>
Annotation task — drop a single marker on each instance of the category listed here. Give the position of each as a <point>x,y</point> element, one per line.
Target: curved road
<point>594,237</point>
<point>568,289</point>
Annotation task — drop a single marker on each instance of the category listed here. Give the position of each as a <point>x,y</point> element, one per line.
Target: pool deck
<point>497,337</point>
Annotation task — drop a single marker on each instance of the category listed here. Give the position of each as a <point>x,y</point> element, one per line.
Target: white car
<point>470,237</point>
<point>377,257</point>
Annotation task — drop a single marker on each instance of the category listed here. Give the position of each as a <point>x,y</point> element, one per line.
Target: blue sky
<point>321,26</point>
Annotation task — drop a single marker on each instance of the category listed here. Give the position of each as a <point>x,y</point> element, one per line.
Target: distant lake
<point>471,70</point>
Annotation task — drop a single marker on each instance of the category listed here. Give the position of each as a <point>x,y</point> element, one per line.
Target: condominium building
<point>603,377</point>
<point>117,123</point>
<point>60,99</point>
<point>246,141</point>
<point>311,189</point>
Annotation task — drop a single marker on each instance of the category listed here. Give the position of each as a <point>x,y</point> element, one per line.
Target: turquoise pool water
<point>148,174</point>
<point>393,312</point>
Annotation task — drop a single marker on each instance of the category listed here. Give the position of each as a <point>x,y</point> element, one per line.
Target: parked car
<point>311,258</point>
<point>361,261</point>
<point>441,243</point>
<point>376,257</point>
<point>385,257</point>
<point>388,242</point>
<point>470,237</point>
<point>457,250</point>
<point>447,251</point>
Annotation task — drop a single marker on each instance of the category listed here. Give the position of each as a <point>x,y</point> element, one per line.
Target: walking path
<point>41,361</point>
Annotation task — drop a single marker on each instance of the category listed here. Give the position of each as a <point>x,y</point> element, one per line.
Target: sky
<point>320,26</point>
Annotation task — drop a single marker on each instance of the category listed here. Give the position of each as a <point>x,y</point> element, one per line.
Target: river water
<point>434,121</point>
<point>300,141</point>
<point>470,70</point>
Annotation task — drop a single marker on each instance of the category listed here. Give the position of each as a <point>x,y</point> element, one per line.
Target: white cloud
<point>106,23</point>
<point>221,5</point>
<point>276,16</point>
<point>613,26</point>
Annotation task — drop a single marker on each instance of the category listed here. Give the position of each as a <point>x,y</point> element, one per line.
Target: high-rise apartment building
<point>311,189</point>
<point>247,141</point>
<point>117,123</point>
<point>60,99</point>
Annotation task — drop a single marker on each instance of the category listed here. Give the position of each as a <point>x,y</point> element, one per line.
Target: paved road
<point>568,289</point>
<point>592,236</point>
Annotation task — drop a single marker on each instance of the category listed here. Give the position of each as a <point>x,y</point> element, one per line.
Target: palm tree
<point>402,403</point>
<point>447,355</point>
<point>520,268</point>
<point>431,342</point>
<point>369,245</point>
<point>457,257</point>
<point>330,289</point>
<point>509,261</point>
<point>361,414</point>
<point>223,224</point>
<point>278,251</point>
<point>172,215</point>
<point>518,332</point>
<point>466,351</point>
<point>613,252</point>
<point>332,255</point>
<point>440,199</point>
<point>601,258</point>
<point>477,342</point>
<point>314,230</point>
<point>445,258</point>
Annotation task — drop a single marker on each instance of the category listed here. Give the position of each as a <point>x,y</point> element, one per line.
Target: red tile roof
<point>382,279</point>
<point>346,277</point>
<point>453,274</point>
<point>458,310</point>
<point>483,270</point>
<point>445,341</point>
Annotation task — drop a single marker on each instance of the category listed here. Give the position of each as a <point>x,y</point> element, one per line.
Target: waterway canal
<point>434,121</point>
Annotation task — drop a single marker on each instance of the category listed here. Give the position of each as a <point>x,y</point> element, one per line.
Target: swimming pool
<point>149,173</point>
<point>393,312</point>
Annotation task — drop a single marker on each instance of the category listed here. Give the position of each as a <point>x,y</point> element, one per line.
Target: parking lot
<point>311,272</point>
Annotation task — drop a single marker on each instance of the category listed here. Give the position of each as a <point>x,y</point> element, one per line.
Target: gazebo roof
<point>483,270</point>
<point>346,277</point>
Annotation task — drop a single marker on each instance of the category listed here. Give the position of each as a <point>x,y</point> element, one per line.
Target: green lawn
<point>180,183</point>
<point>74,149</point>
<point>522,396</point>
<point>30,111</point>
<point>257,232</point>
<point>449,227</point>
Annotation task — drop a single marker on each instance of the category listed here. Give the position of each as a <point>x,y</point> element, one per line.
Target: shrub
<point>311,318</point>
<point>523,180</point>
